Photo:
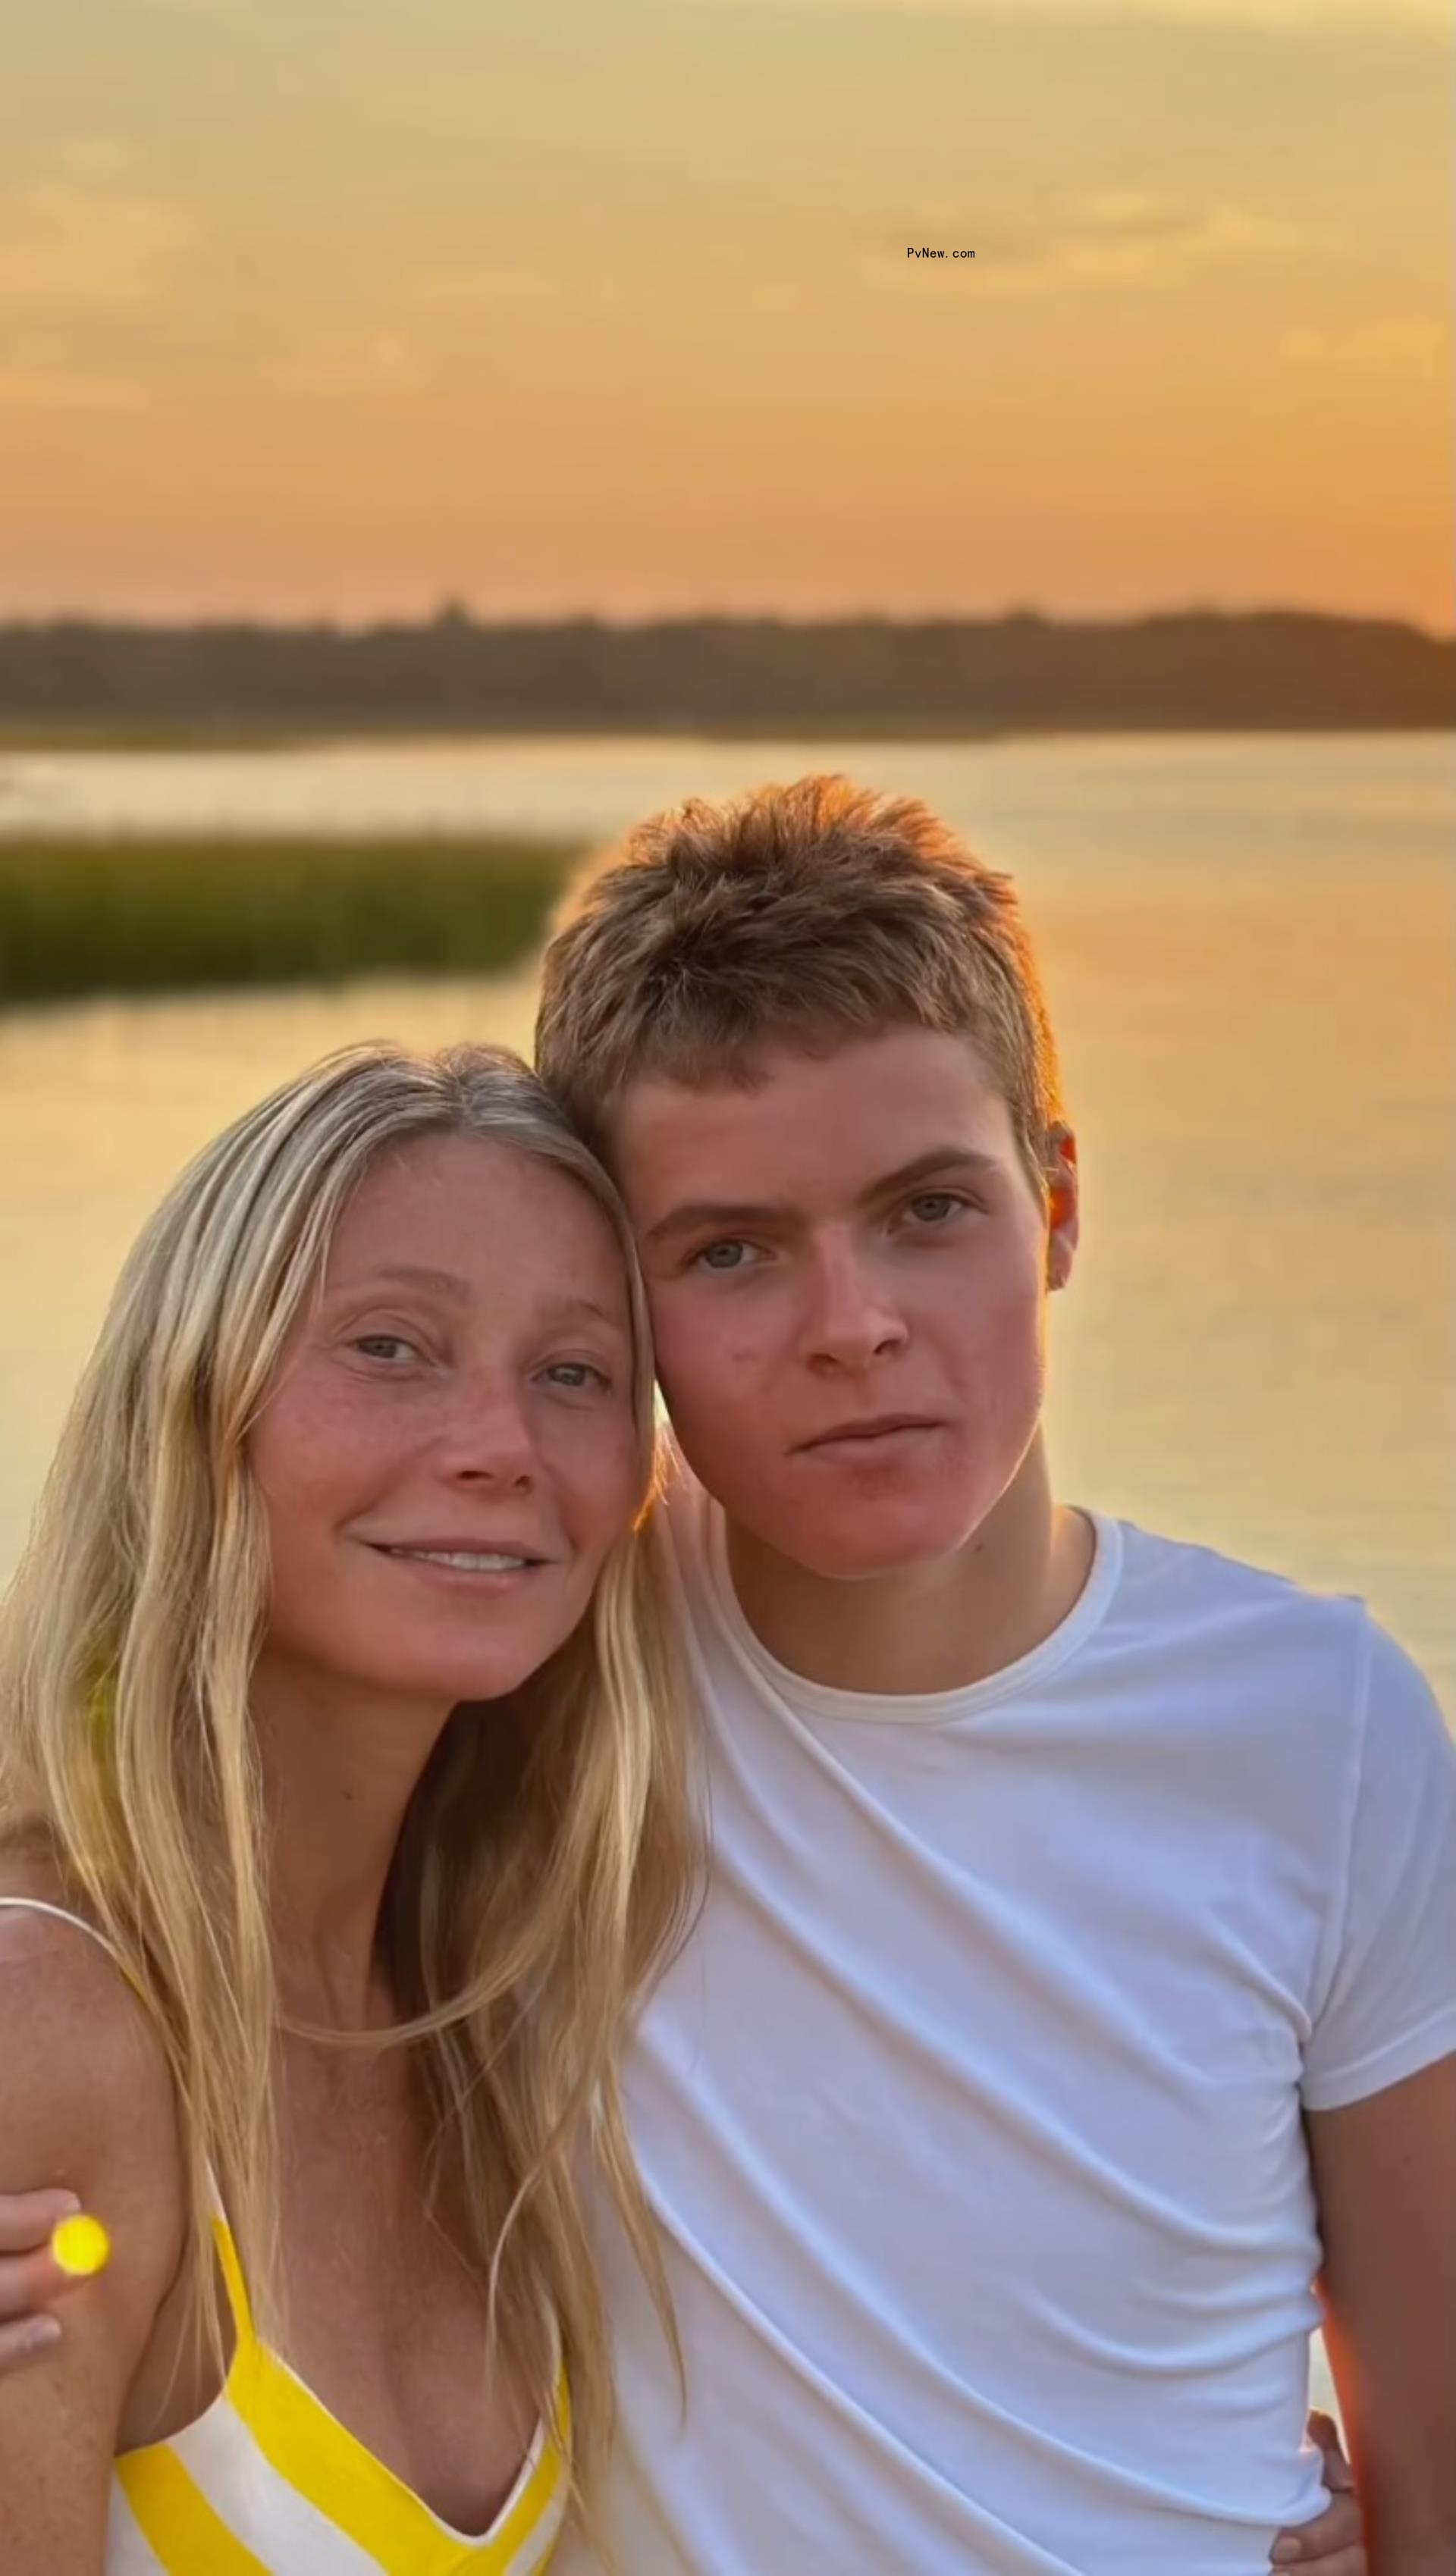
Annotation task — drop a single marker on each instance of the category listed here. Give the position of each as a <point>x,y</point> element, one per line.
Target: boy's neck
<point>929,1627</point>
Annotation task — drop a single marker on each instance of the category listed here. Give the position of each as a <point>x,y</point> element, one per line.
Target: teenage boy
<point>1077,1976</point>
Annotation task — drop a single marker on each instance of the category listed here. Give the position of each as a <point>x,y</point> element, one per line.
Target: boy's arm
<point>1385,2181</point>
<point>1379,2090</point>
<point>31,2280</point>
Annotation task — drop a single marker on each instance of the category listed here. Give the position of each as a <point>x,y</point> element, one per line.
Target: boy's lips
<point>871,1427</point>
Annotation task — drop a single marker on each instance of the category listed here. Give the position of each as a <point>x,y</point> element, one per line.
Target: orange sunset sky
<point>342,306</point>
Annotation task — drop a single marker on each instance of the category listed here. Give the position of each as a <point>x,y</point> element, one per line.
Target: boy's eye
<point>932,1207</point>
<point>731,1254</point>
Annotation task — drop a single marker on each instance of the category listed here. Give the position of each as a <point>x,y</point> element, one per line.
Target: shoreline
<point>36,741</point>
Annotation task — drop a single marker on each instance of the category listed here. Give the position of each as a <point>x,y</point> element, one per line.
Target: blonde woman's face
<point>448,1450</point>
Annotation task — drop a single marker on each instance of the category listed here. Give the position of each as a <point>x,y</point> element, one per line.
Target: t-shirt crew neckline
<point>914,1708</point>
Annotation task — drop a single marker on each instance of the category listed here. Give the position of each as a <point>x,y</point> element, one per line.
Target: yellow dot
<point>81,2246</point>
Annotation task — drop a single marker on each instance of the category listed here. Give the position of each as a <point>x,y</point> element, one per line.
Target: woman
<point>367,1423</point>
<point>336,1714</point>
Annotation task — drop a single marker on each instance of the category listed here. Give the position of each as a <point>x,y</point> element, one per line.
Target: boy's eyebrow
<point>940,1158</point>
<point>739,1212</point>
<point>704,1212</point>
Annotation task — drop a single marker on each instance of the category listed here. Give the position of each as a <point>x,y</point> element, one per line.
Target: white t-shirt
<point>971,2111</point>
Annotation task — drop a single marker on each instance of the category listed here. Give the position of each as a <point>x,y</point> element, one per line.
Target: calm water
<point>1159,798</point>
<point>1249,947</point>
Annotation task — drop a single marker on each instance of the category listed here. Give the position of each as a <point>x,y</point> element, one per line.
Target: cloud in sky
<point>489,291</point>
<point>1127,232</point>
<point>26,389</point>
<point>375,359</point>
<point>466,289</point>
<point>1405,349</point>
<point>89,160</point>
<point>1318,17</point>
<point>1106,236</point>
<point>69,248</point>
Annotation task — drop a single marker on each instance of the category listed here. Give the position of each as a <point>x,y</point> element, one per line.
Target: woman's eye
<point>731,1254</point>
<point>575,1375</point>
<point>385,1346</point>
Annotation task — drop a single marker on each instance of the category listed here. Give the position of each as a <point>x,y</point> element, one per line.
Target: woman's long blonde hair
<point>546,1862</point>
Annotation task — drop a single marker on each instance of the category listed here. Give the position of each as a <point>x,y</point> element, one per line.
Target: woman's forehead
<point>476,1208</point>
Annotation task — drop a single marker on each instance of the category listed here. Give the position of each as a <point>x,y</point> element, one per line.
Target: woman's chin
<point>454,1685</point>
<point>423,1687</point>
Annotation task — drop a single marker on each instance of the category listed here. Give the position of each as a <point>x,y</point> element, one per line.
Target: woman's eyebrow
<point>408,1274</point>
<point>448,1283</point>
<point>570,1307</point>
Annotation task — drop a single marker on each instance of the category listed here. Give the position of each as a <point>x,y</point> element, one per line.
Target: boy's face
<point>848,1268</point>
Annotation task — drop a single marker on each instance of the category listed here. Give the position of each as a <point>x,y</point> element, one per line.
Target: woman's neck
<point>340,1767</point>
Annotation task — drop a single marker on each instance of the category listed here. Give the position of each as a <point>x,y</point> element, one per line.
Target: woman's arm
<point>86,2106</point>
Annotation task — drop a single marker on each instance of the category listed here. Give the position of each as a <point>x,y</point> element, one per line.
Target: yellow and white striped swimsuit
<point>266,2482</point>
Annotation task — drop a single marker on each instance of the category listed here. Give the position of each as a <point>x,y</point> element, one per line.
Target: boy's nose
<point>851,1321</point>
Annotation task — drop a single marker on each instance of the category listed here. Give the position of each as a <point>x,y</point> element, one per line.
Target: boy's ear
<point>1063,1205</point>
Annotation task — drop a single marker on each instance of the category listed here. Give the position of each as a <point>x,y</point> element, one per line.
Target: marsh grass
<point>133,916</point>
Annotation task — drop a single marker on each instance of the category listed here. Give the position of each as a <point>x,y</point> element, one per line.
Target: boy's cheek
<point>718,1422</point>
<point>699,1367</point>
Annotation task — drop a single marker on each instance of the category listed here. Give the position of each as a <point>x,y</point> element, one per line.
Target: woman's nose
<point>490,1442</point>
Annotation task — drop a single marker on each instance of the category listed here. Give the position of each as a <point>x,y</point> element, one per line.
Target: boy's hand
<point>31,2281</point>
<point>1333,2543</point>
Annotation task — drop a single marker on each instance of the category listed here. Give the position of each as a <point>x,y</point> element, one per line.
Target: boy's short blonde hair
<point>807,915</point>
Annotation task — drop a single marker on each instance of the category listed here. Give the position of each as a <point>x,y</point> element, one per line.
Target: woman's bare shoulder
<point>88,2102</point>
<point>85,2103</point>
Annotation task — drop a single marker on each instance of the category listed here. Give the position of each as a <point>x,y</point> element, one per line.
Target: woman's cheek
<point>605,1483</point>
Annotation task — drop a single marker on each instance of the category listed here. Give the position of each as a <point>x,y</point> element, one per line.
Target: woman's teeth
<point>464,1559</point>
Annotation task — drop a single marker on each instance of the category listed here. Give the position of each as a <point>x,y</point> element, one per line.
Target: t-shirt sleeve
<point>1388,2001</point>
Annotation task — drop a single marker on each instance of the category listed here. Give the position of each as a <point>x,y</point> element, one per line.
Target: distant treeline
<point>1274,669</point>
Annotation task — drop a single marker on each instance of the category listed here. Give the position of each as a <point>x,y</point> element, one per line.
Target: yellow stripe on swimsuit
<point>267,2479</point>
